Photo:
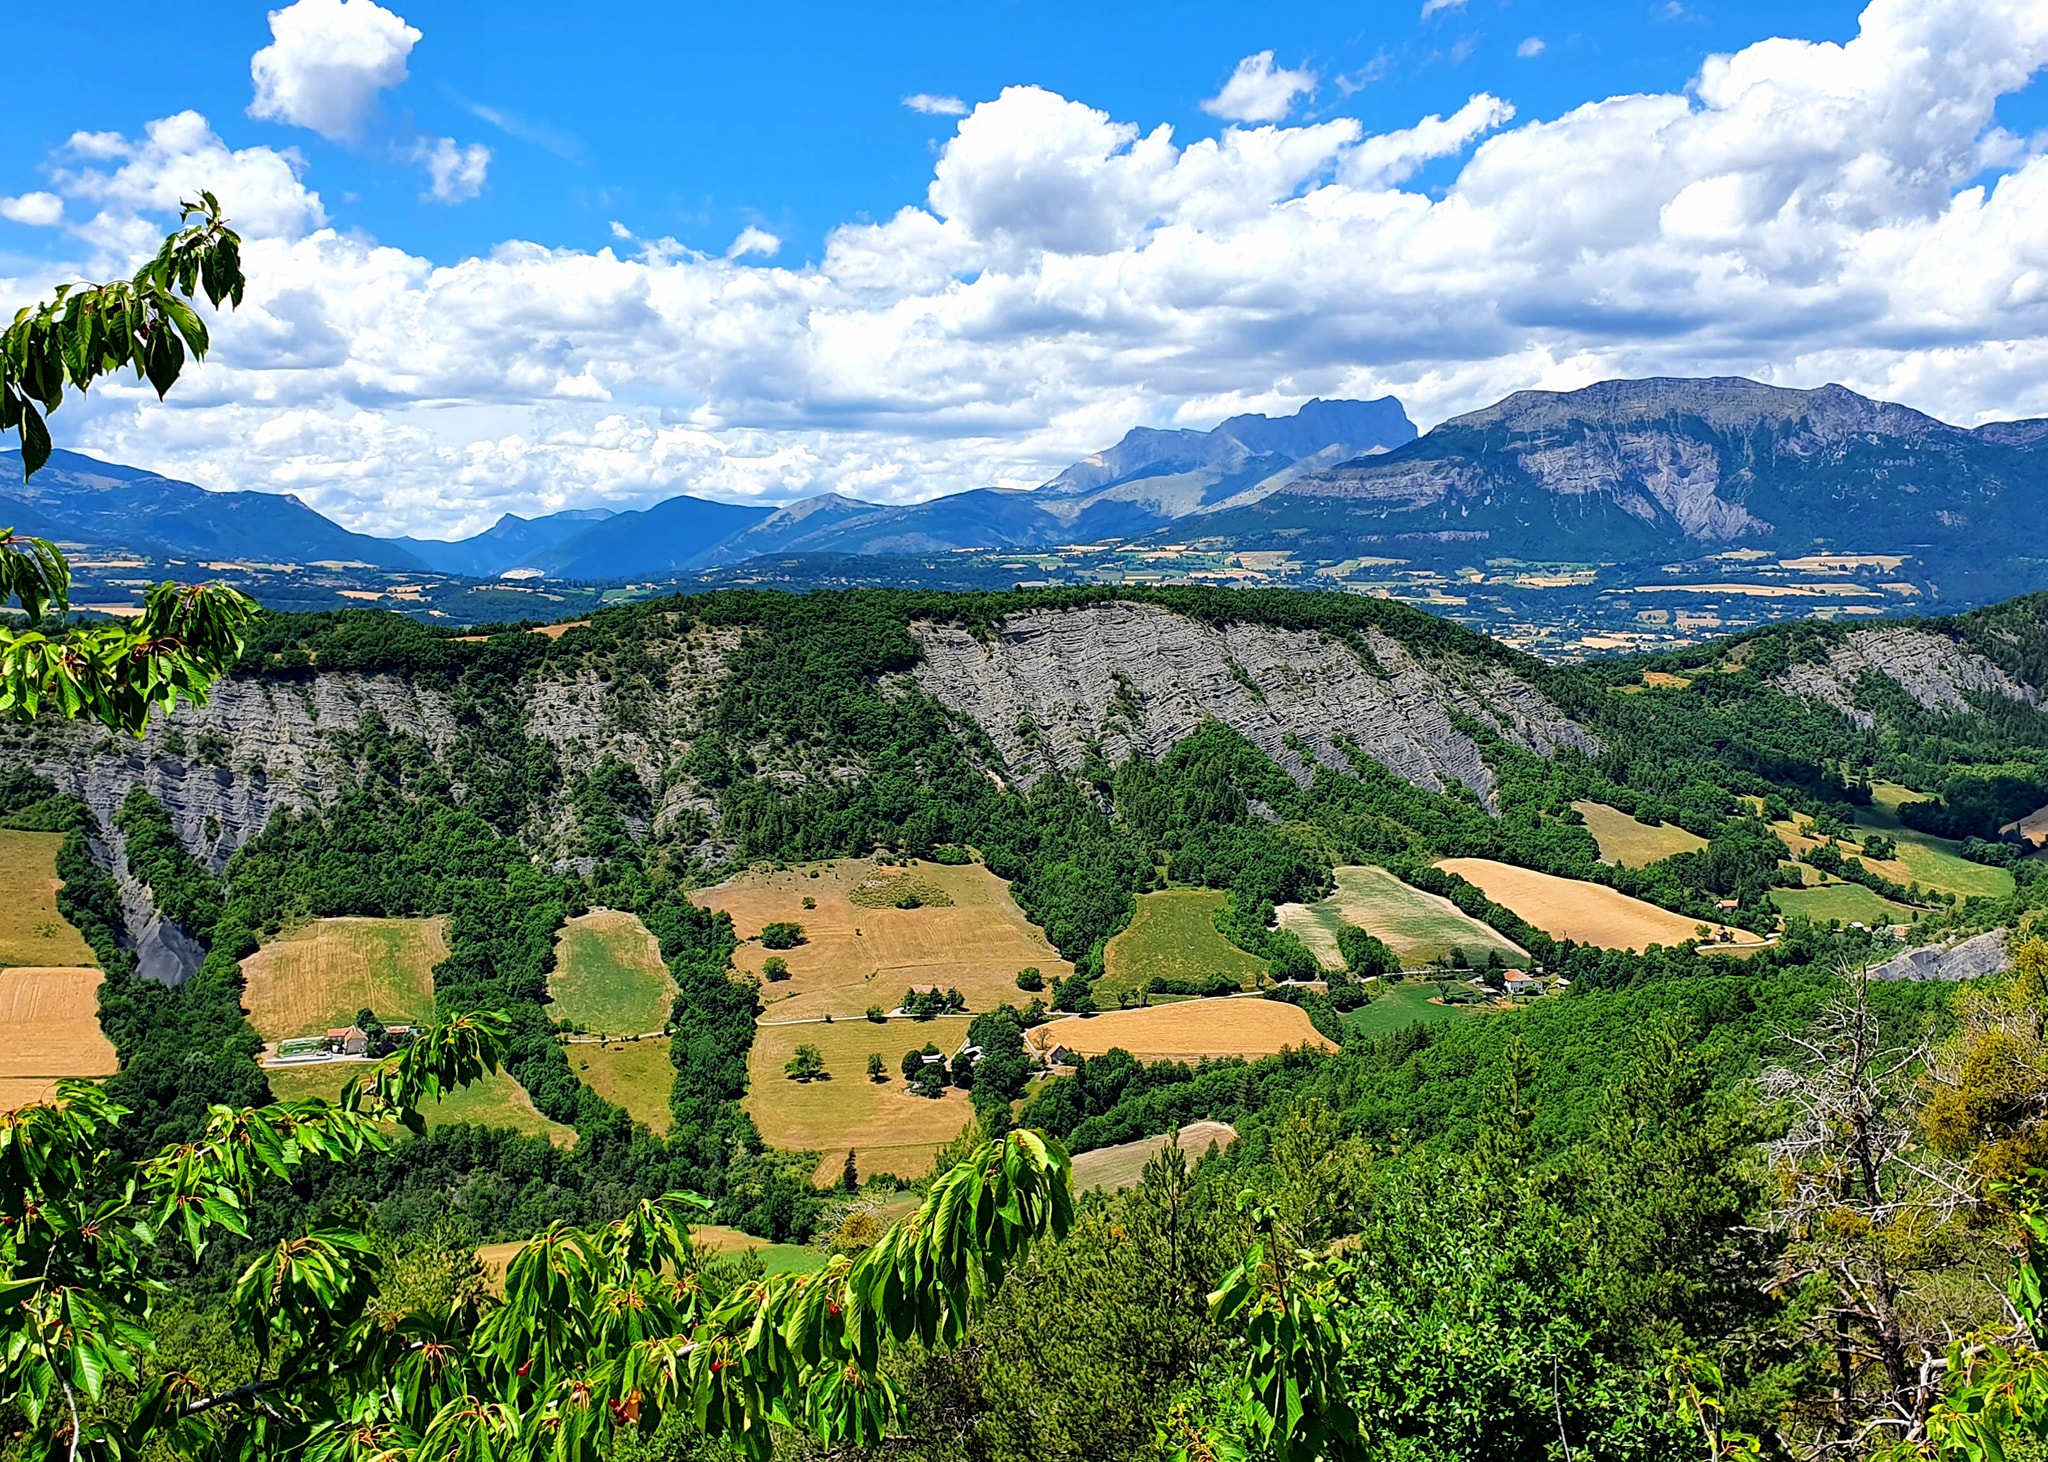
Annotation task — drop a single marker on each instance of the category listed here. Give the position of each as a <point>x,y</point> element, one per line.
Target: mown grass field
<point>1188,1030</point>
<point>1930,860</point>
<point>636,1075</point>
<point>1396,1007</point>
<point>50,1017</point>
<point>890,1130</point>
<point>1565,908</point>
<point>32,932</point>
<point>496,1101</point>
<point>1173,936</point>
<point>318,976</point>
<point>854,957</point>
<point>1851,903</point>
<point>1419,927</point>
<point>1123,1165</point>
<point>1630,844</point>
<point>609,978</point>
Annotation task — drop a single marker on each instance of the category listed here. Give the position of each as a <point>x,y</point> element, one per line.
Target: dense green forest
<point>1532,1221</point>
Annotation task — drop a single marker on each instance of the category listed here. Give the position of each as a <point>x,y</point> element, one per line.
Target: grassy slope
<point>32,932</point>
<point>1417,926</point>
<point>1632,844</point>
<point>636,1075</point>
<point>608,976</point>
<point>1173,936</point>
<point>320,975</point>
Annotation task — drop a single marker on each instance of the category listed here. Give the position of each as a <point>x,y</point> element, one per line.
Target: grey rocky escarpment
<point>1968,959</point>
<point>223,768</point>
<point>1933,669</point>
<point>1136,677</point>
<point>164,951</point>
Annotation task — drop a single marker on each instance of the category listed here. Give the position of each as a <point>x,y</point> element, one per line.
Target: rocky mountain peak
<point>1727,404</point>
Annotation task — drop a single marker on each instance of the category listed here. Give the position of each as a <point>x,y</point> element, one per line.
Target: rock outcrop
<point>1968,959</point>
<point>1136,677</point>
<point>1931,668</point>
<point>223,768</point>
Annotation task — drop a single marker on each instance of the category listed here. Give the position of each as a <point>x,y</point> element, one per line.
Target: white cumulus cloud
<point>37,210</point>
<point>1258,91</point>
<point>1801,212</point>
<point>935,106</point>
<point>326,63</point>
<point>754,240</point>
<point>455,173</point>
<point>1532,46</point>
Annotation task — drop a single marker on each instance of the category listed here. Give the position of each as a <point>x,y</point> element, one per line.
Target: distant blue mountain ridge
<point>1147,481</point>
<point>1622,472</point>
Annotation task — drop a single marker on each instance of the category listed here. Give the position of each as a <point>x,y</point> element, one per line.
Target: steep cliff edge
<point>1935,670</point>
<point>1134,677</point>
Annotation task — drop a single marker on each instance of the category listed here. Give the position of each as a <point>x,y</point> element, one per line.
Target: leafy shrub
<point>782,935</point>
<point>1029,979</point>
<point>775,968</point>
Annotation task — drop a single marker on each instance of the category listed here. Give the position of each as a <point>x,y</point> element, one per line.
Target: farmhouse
<point>1521,982</point>
<point>346,1041</point>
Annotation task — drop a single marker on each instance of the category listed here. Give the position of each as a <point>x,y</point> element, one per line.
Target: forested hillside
<point>1533,1214</point>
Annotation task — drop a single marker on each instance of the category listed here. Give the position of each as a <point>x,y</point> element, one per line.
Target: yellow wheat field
<point>1190,1030</point>
<point>1565,908</point>
<point>319,976</point>
<point>51,1019</point>
<point>32,932</point>
<point>855,957</point>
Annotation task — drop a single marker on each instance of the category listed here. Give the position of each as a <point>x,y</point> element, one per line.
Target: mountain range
<point>1623,472</point>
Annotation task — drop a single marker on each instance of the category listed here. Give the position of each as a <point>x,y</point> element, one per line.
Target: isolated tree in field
<point>187,635</point>
<point>877,1071</point>
<point>808,1064</point>
<point>849,1176</point>
<point>776,968</point>
<point>782,935</point>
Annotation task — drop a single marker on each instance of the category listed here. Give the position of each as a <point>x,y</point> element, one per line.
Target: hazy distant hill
<point>1147,481</point>
<point>80,499</point>
<point>510,543</point>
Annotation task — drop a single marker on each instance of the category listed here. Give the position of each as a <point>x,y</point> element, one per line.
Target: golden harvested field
<point>636,1075</point>
<point>609,977</point>
<point>2033,827</point>
<point>1173,936</point>
<point>1419,927</point>
<point>1632,844</point>
<point>51,1018</point>
<point>1189,1030</point>
<point>1123,1165</point>
<point>1565,908</point>
<point>32,932</point>
<point>890,1130</point>
<point>319,976</point>
<point>856,957</point>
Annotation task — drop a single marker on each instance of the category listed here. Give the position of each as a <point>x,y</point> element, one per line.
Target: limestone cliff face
<point>1137,677</point>
<point>1931,668</point>
<point>223,768</point>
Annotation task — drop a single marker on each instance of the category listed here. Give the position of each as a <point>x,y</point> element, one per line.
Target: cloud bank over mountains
<point>1806,212</point>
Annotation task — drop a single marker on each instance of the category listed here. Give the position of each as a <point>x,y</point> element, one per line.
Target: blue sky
<point>501,261</point>
<point>693,120</point>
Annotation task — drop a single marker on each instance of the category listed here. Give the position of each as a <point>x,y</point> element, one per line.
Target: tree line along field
<point>493,1101</point>
<point>1588,913</point>
<point>854,956</point>
<point>1173,935</point>
<point>1419,927</point>
<point>1122,1165</point>
<point>636,1075</point>
<point>32,932</point>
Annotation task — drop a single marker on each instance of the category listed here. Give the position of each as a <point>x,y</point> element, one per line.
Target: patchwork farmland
<point>1419,927</point>
<point>318,976</point>
<point>867,952</point>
